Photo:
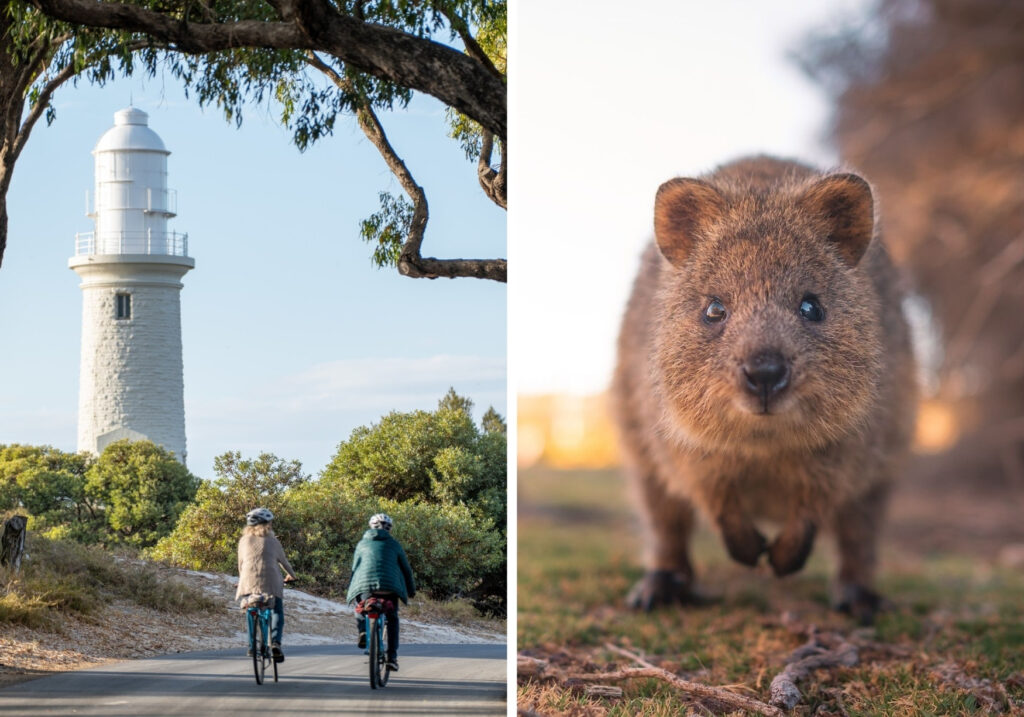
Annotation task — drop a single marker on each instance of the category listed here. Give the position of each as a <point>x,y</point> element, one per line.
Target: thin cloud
<point>305,415</point>
<point>392,373</point>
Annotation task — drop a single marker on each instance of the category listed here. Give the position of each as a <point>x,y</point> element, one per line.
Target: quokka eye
<point>810,308</point>
<point>714,312</point>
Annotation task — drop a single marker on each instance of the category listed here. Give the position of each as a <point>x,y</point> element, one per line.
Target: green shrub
<point>50,487</point>
<point>448,547</point>
<point>442,459</point>
<point>206,535</point>
<point>143,489</point>
<point>438,457</point>
<point>132,495</point>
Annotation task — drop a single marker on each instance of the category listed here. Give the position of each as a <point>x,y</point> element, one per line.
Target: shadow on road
<point>315,679</point>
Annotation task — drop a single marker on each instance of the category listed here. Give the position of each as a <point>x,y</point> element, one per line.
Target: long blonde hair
<point>261,531</point>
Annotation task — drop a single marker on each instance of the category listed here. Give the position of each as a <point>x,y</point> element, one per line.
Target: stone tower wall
<point>131,378</point>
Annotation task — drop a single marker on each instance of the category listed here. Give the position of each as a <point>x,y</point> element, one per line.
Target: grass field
<point>952,644</point>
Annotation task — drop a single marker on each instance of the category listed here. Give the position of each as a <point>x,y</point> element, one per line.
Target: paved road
<point>315,680</point>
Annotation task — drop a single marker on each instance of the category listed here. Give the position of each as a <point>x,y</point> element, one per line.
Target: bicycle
<point>375,611</point>
<point>257,612</point>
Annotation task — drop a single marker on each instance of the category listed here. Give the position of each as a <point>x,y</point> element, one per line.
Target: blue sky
<point>291,337</point>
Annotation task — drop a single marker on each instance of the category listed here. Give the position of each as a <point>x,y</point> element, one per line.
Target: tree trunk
<point>12,545</point>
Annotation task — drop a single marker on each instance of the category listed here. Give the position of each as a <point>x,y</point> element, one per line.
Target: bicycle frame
<point>258,619</point>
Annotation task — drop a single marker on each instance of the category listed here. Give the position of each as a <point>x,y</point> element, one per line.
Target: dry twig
<point>804,660</point>
<point>530,666</point>
<point>603,691</point>
<point>696,689</point>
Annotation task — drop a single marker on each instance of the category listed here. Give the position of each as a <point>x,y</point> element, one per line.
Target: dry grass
<point>953,644</point>
<point>456,612</point>
<point>61,578</point>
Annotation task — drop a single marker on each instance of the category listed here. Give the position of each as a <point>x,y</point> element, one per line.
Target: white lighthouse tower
<point>131,266</point>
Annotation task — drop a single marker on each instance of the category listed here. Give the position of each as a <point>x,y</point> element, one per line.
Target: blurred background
<point>925,97</point>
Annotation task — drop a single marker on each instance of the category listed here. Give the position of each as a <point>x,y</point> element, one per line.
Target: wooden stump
<point>12,545</point>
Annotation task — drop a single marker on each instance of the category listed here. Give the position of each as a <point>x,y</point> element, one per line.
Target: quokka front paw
<point>743,541</point>
<point>789,551</point>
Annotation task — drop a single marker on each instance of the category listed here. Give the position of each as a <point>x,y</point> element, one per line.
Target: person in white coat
<point>260,561</point>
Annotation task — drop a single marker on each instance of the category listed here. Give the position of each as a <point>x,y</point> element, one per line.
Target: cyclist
<point>259,555</point>
<point>380,568</point>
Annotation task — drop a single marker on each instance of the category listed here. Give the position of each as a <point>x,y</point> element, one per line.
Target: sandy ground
<point>127,631</point>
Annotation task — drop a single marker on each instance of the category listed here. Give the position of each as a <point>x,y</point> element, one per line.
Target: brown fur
<point>759,235</point>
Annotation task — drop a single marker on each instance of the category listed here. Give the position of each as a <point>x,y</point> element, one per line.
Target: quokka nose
<point>767,373</point>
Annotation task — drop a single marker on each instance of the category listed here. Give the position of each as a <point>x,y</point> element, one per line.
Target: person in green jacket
<point>380,568</point>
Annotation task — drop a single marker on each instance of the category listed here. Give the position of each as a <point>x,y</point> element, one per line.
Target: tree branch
<point>473,48</point>
<point>501,182</point>
<point>411,262</point>
<point>491,181</point>
<point>36,111</point>
<point>992,286</point>
<point>802,662</point>
<point>195,38</point>
<point>458,80</point>
<point>40,52</point>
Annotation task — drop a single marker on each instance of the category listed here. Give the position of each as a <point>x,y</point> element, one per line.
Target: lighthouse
<point>131,382</point>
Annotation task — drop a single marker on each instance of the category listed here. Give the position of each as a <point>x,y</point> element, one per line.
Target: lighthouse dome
<point>130,132</point>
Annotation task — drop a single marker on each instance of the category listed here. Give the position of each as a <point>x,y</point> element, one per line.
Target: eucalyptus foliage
<point>143,489</point>
<point>131,495</point>
<point>309,62</point>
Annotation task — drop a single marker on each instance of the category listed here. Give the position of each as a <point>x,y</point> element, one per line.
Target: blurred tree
<point>930,100</point>
<point>368,55</point>
<point>143,489</point>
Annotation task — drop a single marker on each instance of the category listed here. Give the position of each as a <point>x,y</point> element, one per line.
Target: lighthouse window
<point>123,306</point>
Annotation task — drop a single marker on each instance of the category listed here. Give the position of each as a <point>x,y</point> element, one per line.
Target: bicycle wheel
<point>374,638</point>
<point>383,671</point>
<point>251,620</point>
<point>373,651</point>
<point>259,655</point>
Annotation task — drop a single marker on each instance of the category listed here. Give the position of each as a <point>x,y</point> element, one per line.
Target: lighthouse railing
<point>138,242</point>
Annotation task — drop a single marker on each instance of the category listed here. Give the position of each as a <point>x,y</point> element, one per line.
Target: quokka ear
<point>846,207</point>
<point>683,211</point>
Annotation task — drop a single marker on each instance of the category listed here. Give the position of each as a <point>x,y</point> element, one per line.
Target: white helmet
<point>257,516</point>
<point>381,520</point>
